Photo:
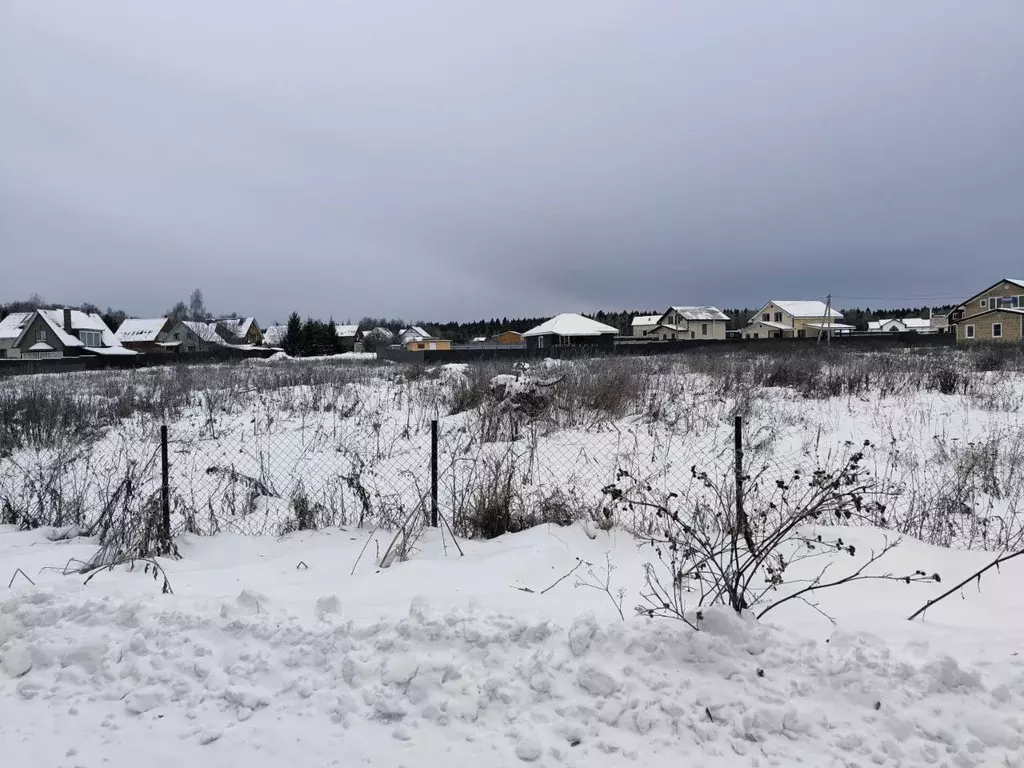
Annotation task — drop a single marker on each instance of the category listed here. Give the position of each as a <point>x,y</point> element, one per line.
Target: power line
<point>958,297</point>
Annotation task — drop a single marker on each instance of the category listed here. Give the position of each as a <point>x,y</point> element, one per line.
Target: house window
<point>177,336</point>
<point>984,303</point>
<point>541,342</point>
<point>41,336</point>
<point>703,329</point>
<point>778,317</point>
<point>91,338</point>
<point>766,317</point>
<point>757,336</point>
<point>969,331</point>
<point>997,330</point>
<point>801,334</point>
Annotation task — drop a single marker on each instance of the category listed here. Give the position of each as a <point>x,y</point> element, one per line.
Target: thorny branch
<point>976,575</point>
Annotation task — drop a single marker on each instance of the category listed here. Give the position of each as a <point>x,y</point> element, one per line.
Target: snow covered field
<point>374,640</point>
<point>264,448</point>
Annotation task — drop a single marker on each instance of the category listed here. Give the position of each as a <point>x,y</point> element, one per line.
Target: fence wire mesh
<point>265,450</point>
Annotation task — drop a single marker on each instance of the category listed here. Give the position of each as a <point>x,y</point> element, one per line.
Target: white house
<point>641,326</point>
<point>690,323</point>
<point>795,319</point>
<point>902,325</point>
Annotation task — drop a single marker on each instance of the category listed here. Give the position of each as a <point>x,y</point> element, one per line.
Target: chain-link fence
<point>478,478</point>
<point>478,473</point>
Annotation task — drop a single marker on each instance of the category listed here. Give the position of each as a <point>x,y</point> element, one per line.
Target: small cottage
<point>571,330</point>
<point>144,334</point>
<point>240,330</point>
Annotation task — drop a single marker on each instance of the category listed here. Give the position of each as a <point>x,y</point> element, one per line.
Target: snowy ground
<point>297,651</point>
<point>249,442</point>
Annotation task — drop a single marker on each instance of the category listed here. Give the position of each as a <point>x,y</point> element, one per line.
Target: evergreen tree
<point>293,335</point>
<point>332,338</point>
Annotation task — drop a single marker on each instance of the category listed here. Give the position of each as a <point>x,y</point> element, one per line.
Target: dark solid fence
<point>24,367</point>
<point>625,346</point>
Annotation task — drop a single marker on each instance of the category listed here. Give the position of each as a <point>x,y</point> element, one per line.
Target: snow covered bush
<point>715,545</point>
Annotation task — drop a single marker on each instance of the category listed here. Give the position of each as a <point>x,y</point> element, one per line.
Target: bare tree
<point>178,312</point>
<point>197,307</point>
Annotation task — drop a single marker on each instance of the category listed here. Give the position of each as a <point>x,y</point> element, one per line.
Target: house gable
<point>38,330</point>
<point>773,313</point>
<point>1007,288</point>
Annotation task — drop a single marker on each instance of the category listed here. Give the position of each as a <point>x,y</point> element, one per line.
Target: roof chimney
<point>67,321</point>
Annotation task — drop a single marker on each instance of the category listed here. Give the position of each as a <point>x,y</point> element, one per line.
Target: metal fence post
<point>433,473</point>
<point>741,514</point>
<point>165,483</point>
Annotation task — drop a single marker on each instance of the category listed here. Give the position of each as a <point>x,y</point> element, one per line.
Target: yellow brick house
<point>995,314</point>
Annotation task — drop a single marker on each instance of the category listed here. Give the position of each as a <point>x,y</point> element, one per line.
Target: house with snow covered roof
<point>273,335</point>
<point>189,337</point>
<point>55,333</point>
<point>642,325</point>
<point>240,330</point>
<point>690,323</point>
<point>994,314</point>
<point>144,334</point>
<point>413,333</point>
<point>10,329</point>
<point>571,330</point>
<point>902,325</point>
<point>346,336</point>
<point>795,319</point>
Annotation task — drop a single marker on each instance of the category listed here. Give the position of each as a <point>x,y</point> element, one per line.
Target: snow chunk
<point>581,633</point>
<point>16,662</point>
<point>724,622</point>
<point>145,699</point>
<point>946,676</point>
<point>327,604</point>
<point>251,602</point>
<point>528,749</point>
<point>210,735</point>
<point>401,671</point>
<point>597,681</point>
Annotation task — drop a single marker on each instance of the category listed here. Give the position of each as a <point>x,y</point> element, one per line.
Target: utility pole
<point>828,319</point>
<point>827,325</point>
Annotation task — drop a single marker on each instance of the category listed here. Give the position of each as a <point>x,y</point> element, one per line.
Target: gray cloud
<point>463,159</point>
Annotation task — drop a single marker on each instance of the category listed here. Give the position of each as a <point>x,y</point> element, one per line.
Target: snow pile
<point>480,686</point>
<point>446,659</point>
<point>353,356</point>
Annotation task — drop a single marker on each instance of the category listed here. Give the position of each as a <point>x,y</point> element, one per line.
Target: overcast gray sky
<point>459,159</point>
